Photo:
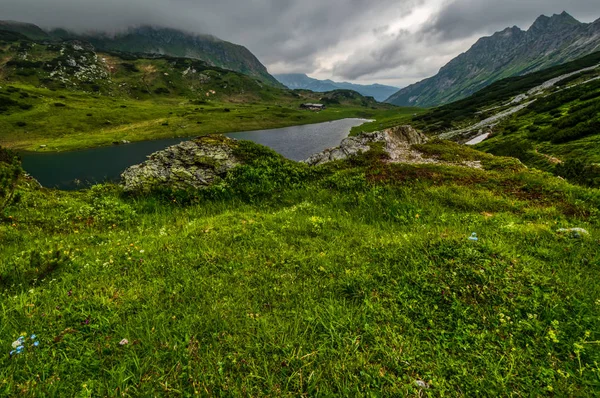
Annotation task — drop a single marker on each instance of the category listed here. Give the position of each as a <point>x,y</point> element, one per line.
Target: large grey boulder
<point>397,143</point>
<point>191,164</point>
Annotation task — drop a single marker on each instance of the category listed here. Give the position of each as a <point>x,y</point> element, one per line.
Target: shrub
<point>515,148</point>
<point>10,172</point>
<point>580,172</point>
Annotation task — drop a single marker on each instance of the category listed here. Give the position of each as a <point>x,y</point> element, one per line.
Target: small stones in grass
<point>123,342</point>
<point>575,233</point>
<point>22,342</point>
<point>421,384</point>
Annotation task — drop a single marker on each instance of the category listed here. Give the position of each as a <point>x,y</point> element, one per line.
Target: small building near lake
<point>313,107</point>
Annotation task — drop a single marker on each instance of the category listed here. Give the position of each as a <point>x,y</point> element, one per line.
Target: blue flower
<point>473,237</point>
<point>37,343</point>
<point>13,352</point>
<point>20,349</point>
<point>21,339</point>
<point>33,337</point>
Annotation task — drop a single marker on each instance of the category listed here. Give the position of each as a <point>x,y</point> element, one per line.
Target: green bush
<point>10,172</point>
<point>580,172</point>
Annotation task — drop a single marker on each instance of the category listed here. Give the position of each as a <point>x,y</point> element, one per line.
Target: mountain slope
<point>172,42</point>
<point>26,29</point>
<point>160,41</point>
<point>302,81</point>
<point>550,120</point>
<point>550,41</point>
<point>60,96</point>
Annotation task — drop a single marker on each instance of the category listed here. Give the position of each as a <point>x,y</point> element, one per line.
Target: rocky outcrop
<point>191,164</point>
<point>397,142</point>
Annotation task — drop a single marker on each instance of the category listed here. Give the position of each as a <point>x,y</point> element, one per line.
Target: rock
<point>576,233</point>
<point>397,140</point>
<point>192,164</point>
<point>125,142</point>
<point>422,384</point>
<point>43,146</point>
<point>398,143</point>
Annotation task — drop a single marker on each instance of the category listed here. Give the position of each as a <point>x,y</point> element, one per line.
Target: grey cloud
<point>346,39</point>
<point>274,29</point>
<point>452,29</point>
<point>461,18</point>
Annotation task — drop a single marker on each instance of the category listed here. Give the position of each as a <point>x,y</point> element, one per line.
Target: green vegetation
<point>101,120</point>
<point>352,278</point>
<point>10,173</point>
<point>559,133</point>
<point>66,96</point>
<point>476,107</point>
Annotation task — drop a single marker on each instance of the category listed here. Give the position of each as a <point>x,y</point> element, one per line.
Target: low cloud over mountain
<point>387,41</point>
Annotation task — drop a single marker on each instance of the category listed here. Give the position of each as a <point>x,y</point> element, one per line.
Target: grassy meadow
<point>66,120</point>
<point>65,96</point>
<point>352,279</point>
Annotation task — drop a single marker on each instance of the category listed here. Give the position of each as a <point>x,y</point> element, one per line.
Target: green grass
<point>559,128</point>
<point>476,107</point>
<point>90,121</point>
<point>352,279</point>
<point>66,97</point>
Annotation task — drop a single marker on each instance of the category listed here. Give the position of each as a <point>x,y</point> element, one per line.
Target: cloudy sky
<point>394,42</point>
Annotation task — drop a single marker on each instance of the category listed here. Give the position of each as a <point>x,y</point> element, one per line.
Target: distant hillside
<point>26,29</point>
<point>67,95</point>
<point>512,52</point>
<point>302,81</point>
<point>161,41</point>
<point>550,119</point>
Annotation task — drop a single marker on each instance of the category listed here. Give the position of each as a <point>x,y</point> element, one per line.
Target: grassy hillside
<point>216,52</point>
<point>353,278</point>
<point>559,131</point>
<point>158,41</point>
<point>476,107</point>
<point>67,96</point>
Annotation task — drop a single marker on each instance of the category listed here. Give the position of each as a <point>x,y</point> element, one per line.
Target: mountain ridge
<point>148,39</point>
<point>511,52</point>
<point>302,81</point>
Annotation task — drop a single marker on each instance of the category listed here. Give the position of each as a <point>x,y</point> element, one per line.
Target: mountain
<point>31,31</point>
<point>549,119</point>
<point>176,43</point>
<point>512,52</point>
<point>160,41</point>
<point>62,95</point>
<point>301,81</point>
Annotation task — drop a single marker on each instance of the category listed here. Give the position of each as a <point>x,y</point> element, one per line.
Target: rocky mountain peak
<point>554,23</point>
<point>511,52</point>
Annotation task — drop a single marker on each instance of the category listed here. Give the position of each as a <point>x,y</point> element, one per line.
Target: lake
<point>80,169</point>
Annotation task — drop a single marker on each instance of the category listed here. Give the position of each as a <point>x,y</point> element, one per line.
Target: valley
<point>176,222</point>
<point>66,97</point>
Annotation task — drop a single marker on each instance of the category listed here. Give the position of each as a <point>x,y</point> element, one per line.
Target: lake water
<point>80,169</point>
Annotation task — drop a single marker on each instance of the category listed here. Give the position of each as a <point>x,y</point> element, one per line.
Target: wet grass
<point>355,278</point>
<point>87,121</point>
